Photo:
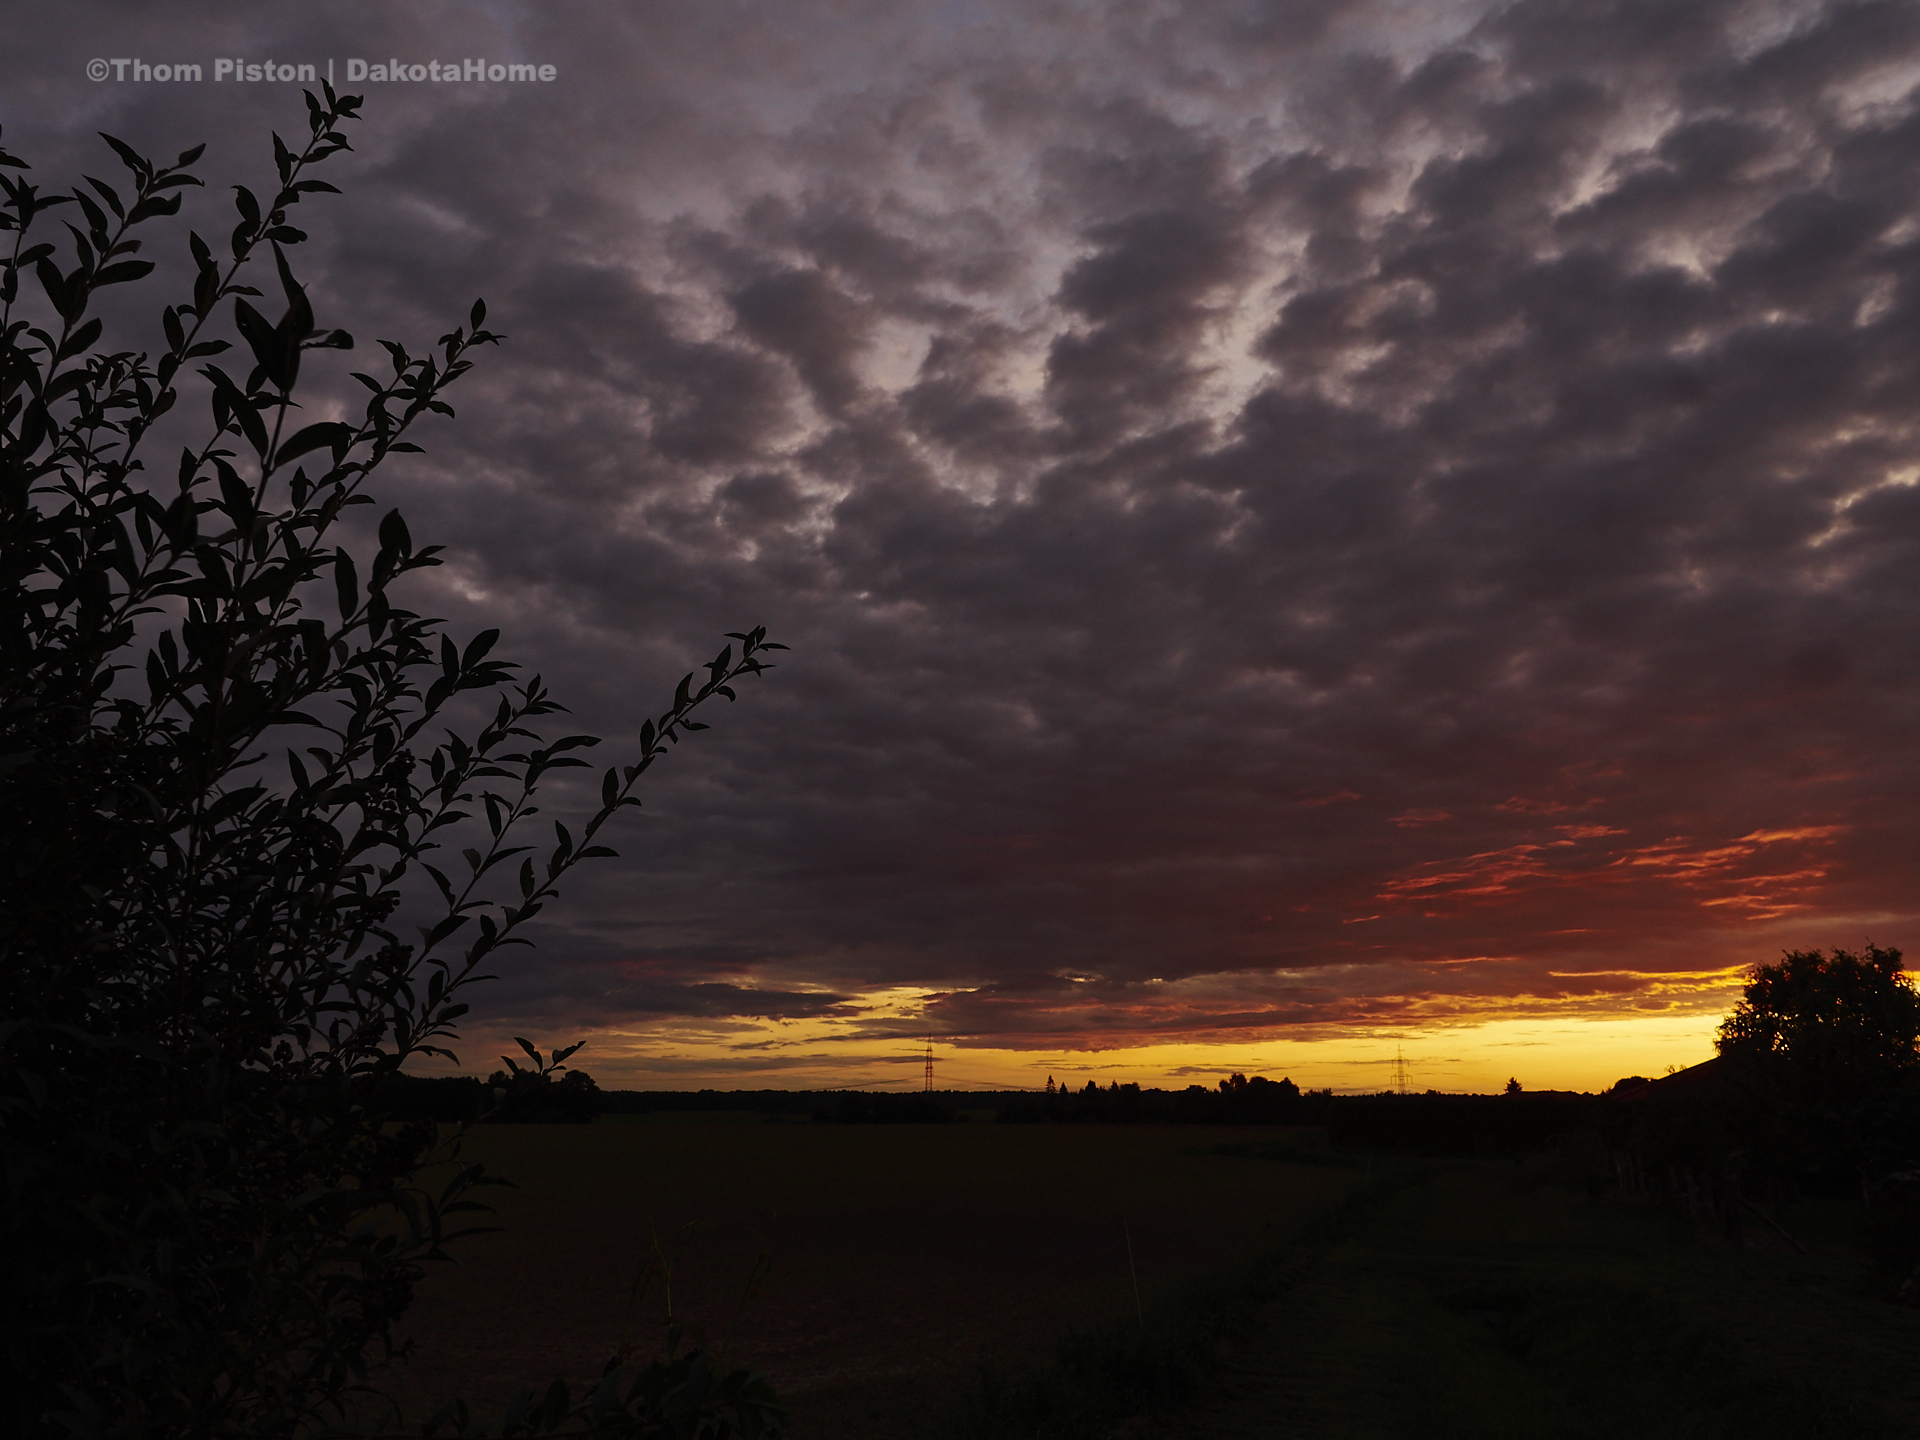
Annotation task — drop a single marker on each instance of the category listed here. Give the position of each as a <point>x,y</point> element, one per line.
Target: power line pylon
<point>929,1064</point>
<point>1399,1072</point>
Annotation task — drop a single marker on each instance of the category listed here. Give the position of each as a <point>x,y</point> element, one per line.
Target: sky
<point>1307,531</point>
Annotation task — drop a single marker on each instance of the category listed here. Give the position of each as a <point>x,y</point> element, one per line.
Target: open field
<point>1424,1298</point>
<point>897,1253</point>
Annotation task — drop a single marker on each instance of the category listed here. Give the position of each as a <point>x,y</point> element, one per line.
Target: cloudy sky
<point>1304,527</point>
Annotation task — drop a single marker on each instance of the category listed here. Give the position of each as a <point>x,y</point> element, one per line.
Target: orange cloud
<point>1491,872</point>
<point>1534,865</point>
<point>1760,896</point>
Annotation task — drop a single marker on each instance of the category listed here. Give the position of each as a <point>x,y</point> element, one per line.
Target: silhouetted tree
<point>1825,1050</point>
<point>1513,1087</point>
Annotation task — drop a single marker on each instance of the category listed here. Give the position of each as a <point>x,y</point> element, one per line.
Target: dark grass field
<point>1487,1300</point>
<point>1290,1293</point>
<point>895,1255</point>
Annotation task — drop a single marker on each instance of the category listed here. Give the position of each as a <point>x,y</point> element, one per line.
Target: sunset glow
<point>1546,1050</point>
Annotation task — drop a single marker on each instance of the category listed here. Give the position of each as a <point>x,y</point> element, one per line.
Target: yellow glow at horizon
<point>1574,1050</point>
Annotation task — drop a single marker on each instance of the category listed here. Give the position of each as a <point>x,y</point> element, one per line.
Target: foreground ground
<point>1415,1298</point>
<point>895,1254</point>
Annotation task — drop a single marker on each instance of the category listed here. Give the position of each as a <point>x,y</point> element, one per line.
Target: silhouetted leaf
<point>327,434</point>
<point>122,272</point>
<point>393,534</point>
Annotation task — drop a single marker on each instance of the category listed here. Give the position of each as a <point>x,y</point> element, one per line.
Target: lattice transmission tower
<point>1399,1072</point>
<point>929,1086</point>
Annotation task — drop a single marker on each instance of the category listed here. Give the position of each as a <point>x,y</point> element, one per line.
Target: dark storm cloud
<point>1284,519</point>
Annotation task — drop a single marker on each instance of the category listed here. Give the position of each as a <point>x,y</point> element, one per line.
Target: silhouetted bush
<point>212,1220</point>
